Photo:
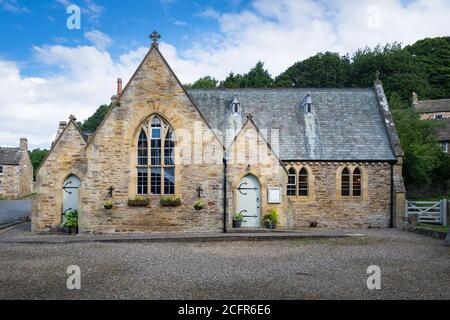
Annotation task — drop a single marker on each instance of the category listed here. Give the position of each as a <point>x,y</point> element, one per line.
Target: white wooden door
<point>70,193</point>
<point>248,201</point>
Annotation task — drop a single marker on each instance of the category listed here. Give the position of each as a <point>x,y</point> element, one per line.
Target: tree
<point>92,123</point>
<point>232,81</point>
<point>36,157</point>
<point>203,83</point>
<point>433,56</point>
<point>258,77</point>
<point>324,70</point>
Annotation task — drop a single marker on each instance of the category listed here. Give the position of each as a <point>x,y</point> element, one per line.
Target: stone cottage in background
<point>438,110</point>
<point>330,157</point>
<point>16,171</point>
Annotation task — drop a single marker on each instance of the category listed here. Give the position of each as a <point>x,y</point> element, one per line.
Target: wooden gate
<point>429,212</point>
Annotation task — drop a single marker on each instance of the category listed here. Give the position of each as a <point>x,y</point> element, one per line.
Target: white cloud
<point>277,32</point>
<point>13,6</point>
<point>98,39</point>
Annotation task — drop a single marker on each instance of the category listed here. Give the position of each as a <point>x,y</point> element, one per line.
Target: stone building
<point>438,110</point>
<point>325,156</point>
<point>16,171</point>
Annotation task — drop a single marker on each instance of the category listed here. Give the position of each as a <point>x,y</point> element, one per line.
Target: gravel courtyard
<point>412,267</point>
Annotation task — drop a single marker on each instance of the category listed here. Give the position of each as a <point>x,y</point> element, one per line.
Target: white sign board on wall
<point>273,195</point>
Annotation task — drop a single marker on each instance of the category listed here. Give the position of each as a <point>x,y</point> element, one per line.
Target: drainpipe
<point>392,196</point>
<point>225,214</point>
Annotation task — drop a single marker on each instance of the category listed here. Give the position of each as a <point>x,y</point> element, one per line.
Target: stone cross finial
<point>73,118</point>
<point>249,116</point>
<point>155,36</point>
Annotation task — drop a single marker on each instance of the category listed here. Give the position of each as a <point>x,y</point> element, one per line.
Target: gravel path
<point>412,266</point>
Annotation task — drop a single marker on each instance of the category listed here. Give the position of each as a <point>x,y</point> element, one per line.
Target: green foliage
<point>71,219</point>
<point>324,70</point>
<point>36,157</point>
<point>138,201</point>
<point>199,204</point>
<point>232,81</point>
<point>92,123</point>
<point>257,77</point>
<point>238,217</point>
<point>203,83</point>
<point>433,56</point>
<point>170,201</point>
<point>425,163</point>
<point>272,216</point>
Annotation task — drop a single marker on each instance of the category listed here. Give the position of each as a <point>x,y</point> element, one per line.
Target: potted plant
<point>237,220</point>
<point>108,204</point>
<point>271,219</point>
<point>199,205</point>
<point>138,202</point>
<point>170,202</point>
<point>71,221</point>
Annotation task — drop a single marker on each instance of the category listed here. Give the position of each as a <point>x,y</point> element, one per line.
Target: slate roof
<point>444,131</point>
<point>345,124</point>
<point>432,106</point>
<point>10,156</point>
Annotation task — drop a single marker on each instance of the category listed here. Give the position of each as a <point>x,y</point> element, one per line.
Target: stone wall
<point>329,209</point>
<point>66,158</point>
<point>17,180</point>
<point>251,155</point>
<point>9,183</point>
<point>153,90</point>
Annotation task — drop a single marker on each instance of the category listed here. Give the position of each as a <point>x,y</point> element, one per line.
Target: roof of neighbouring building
<point>432,106</point>
<point>345,124</point>
<point>444,130</point>
<point>10,156</point>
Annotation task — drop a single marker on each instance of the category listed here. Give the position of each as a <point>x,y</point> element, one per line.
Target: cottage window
<point>1,169</point>
<point>303,183</point>
<point>1,188</point>
<point>292,183</point>
<point>345,180</point>
<point>357,186</point>
<point>159,172</point>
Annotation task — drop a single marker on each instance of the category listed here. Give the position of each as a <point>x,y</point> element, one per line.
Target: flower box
<point>170,202</point>
<point>138,202</point>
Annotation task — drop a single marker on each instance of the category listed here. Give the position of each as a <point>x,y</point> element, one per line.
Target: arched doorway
<point>70,193</point>
<point>248,201</point>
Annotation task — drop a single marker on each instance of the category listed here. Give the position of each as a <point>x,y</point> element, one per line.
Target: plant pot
<point>73,230</point>
<point>273,226</point>
<point>268,225</point>
<point>237,224</point>
<point>108,207</point>
<point>198,208</point>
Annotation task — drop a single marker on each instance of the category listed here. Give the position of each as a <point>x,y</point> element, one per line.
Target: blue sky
<point>48,72</point>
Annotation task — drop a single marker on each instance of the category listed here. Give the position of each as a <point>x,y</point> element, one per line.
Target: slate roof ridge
<point>10,156</point>
<point>283,89</point>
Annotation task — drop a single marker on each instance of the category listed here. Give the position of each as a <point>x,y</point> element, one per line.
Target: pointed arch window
<point>303,183</point>
<point>157,176</point>
<point>345,180</point>
<point>357,186</point>
<point>292,183</point>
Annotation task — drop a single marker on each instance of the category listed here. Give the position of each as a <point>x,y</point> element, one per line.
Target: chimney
<point>23,144</point>
<point>62,126</point>
<point>119,86</point>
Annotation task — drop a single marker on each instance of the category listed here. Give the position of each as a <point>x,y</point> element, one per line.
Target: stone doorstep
<point>219,237</point>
